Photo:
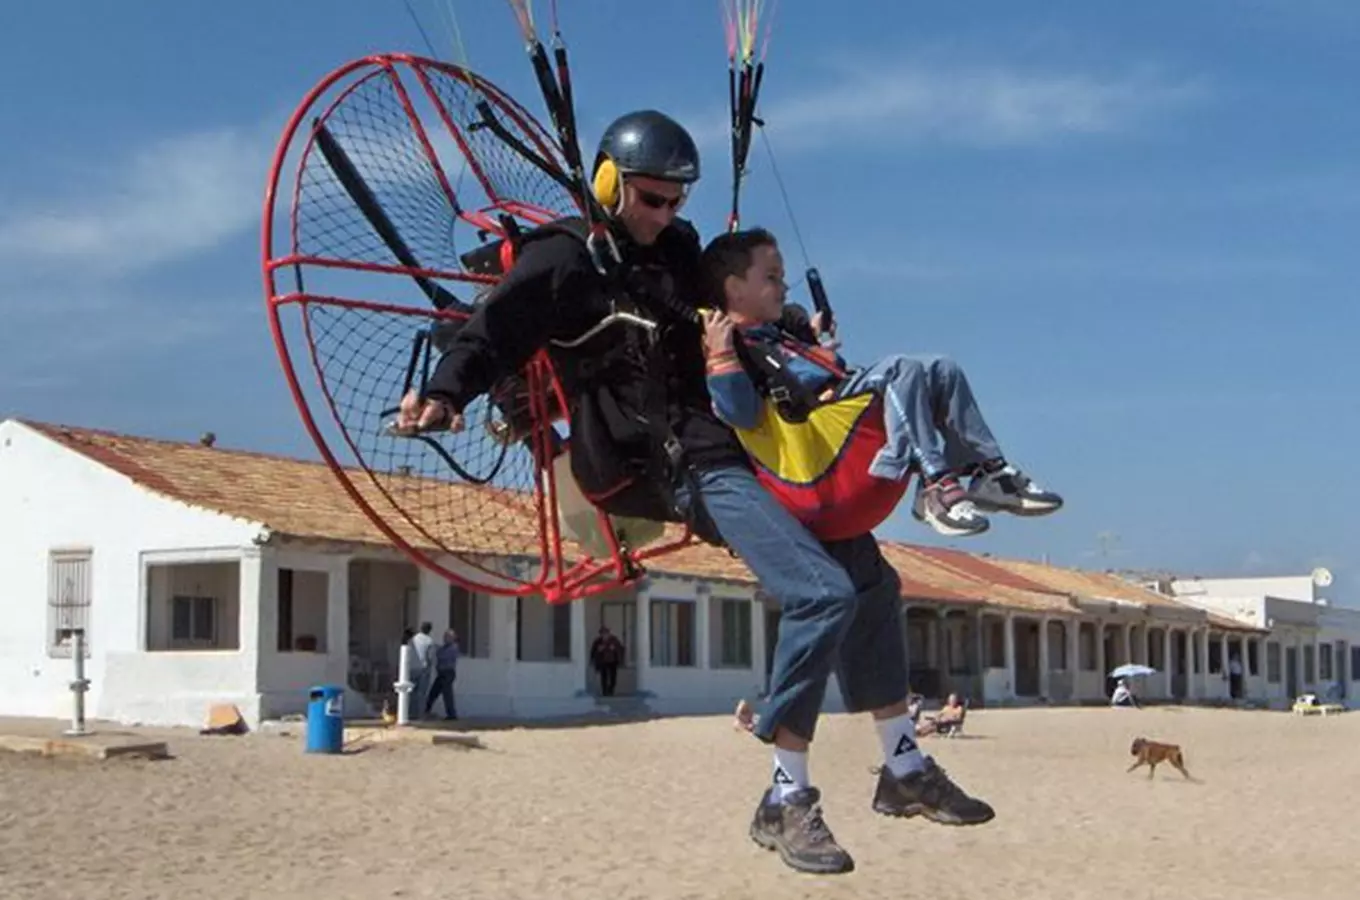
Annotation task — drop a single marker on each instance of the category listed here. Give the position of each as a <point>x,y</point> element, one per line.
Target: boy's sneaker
<point>1007,489</point>
<point>945,506</point>
<point>795,829</point>
<point>929,793</point>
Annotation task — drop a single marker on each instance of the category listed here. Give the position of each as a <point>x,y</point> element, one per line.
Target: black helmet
<point>650,143</point>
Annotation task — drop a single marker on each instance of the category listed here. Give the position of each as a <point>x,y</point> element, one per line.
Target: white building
<point>1313,646</point>
<point>202,575</point>
<point>1120,623</point>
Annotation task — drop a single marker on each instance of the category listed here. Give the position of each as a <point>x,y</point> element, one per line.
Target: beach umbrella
<point>1132,670</point>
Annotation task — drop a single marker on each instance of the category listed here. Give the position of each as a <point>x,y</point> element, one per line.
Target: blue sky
<point>1134,224</point>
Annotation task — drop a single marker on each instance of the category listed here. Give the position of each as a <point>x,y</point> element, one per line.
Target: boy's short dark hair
<point>730,254</point>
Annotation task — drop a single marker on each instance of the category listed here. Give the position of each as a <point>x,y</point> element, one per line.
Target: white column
<point>1225,686</point>
<point>580,650</point>
<point>1073,632</point>
<point>1166,662</point>
<point>1102,664</point>
<point>642,654</point>
<point>337,620</point>
<point>502,628</point>
<point>1128,642</point>
<point>703,614</point>
<point>1044,662</point>
<point>1300,673</point>
<point>432,604</point>
<point>1204,663</point>
<point>758,643</point>
<point>252,585</point>
<point>505,647</point>
<point>580,639</point>
<point>1010,655</point>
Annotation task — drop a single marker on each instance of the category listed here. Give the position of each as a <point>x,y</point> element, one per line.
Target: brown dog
<point>1150,753</point>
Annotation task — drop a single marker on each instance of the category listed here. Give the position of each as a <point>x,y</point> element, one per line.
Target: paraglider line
<point>421,28</point>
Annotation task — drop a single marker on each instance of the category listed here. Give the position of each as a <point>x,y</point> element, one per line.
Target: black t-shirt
<point>554,292</point>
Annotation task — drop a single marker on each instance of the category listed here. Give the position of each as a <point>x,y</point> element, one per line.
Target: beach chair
<point>1310,705</point>
<point>953,729</point>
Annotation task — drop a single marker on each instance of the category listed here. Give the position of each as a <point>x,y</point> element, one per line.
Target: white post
<point>79,685</point>
<point>1009,641</point>
<point>1045,663</point>
<point>404,686</point>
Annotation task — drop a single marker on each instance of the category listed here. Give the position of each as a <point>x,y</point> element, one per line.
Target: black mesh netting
<point>460,491</point>
<point>367,321</point>
<point>391,151</point>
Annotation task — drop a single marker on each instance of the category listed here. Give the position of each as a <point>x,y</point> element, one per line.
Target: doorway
<point>620,617</point>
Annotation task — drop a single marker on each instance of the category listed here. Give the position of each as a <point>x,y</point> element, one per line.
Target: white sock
<point>898,735</point>
<point>790,772</point>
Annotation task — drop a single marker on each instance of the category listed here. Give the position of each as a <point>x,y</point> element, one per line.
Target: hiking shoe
<point>929,793</point>
<point>1009,490</point>
<point>795,829</point>
<point>944,505</point>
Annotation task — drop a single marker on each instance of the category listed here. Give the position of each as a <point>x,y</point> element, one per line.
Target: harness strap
<point>773,380</point>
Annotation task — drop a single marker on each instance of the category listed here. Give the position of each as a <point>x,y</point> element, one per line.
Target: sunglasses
<point>659,201</point>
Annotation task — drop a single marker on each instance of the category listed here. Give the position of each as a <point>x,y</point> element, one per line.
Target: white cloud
<point>970,105</point>
<point>52,349</point>
<point>176,197</point>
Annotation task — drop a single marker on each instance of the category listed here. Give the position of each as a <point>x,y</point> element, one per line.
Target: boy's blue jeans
<point>929,413</point>
<point>840,603</point>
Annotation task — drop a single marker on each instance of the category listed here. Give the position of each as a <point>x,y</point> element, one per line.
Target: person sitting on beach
<point>950,715</point>
<point>933,423</point>
<point>1122,696</point>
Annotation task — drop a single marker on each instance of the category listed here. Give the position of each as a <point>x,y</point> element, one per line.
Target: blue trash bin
<point>325,719</point>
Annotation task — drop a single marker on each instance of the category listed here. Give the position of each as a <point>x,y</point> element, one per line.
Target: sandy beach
<point>659,809</point>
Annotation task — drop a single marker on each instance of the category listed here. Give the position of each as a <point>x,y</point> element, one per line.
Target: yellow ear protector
<point>607,185</point>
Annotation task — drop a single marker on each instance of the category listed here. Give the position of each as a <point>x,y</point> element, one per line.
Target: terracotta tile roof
<point>969,579</point>
<point>924,578</point>
<point>301,498</point>
<point>981,567</point>
<point>1084,584</point>
<point>701,561</point>
<point>1101,586</point>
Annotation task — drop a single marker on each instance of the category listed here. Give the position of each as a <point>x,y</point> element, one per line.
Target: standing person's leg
<point>816,600</point>
<point>450,705</point>
<point>435,691</point>
<point>872,671</point>
<point>420,692</point>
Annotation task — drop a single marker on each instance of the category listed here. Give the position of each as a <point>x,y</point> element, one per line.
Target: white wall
<point>51,497</point>
<point>705,686</point>
<point>1290,587</point>
<point>285,677</point>
<point>1341,628</point>
<point>218,580</point>
<point>498,685</point>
